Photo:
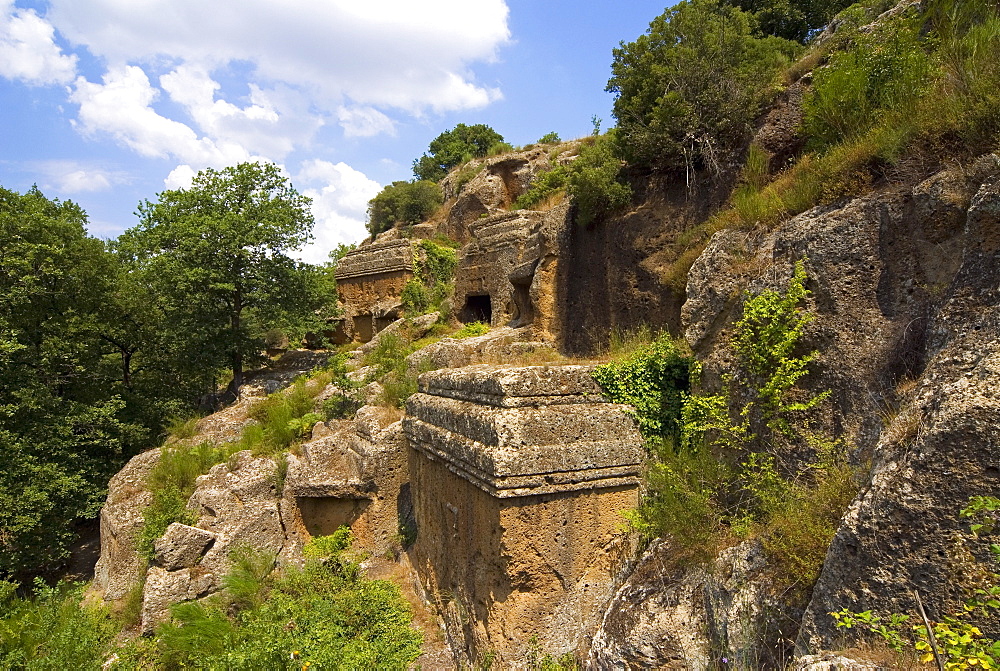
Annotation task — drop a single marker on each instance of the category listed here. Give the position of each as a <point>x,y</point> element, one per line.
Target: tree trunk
<point>237,352</point>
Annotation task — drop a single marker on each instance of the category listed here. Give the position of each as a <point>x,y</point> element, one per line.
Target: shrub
<point>472,329</point>
<point>433,269</point>
<point>172,482</point>
<point>653,380</point>
<point>594,180</point>
<point>549,138</point>
<point>542,187</point>
<point>688,90</point>
<point>51,629</point>
<point>797,20</point>
<point>883,74</point>
<point>284,417</point>
<point>324,615</point>
<point>454,147</point>
<point>717,467</point>
<point>403,203</point>
<point>183,427</point>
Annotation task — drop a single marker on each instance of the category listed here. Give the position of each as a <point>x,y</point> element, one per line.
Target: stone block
<point>518,479</point>
<point>181,546</point>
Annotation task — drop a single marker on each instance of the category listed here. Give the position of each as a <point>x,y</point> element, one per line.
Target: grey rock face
<point>721,615</point>
<point>120,568</point>
<point>906,292</point>
<point>165,588</point>
<point>181,546</point>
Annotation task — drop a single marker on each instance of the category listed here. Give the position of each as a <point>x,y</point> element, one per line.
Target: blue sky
<point>108,102</point>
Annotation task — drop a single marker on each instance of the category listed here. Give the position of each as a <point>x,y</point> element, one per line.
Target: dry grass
<point>551,201</point>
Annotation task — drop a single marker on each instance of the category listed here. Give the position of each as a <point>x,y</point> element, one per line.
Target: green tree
<point>688,90</point>
<point>403,203</point>
<point>454,147</point>
<point>63,426</point>
<point>797,20</point>
<point>216,257</point>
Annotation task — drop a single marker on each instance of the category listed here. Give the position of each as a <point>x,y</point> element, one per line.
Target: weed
<point>471,329</point>
<point>181,428</point>
<point>324,615</point>
<point>246,583</point>
<point>51,630</point>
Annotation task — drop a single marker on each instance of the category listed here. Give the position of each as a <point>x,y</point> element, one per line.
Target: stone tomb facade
<point>507,273</point>
<point>370,282</point>
<point>519,477</point>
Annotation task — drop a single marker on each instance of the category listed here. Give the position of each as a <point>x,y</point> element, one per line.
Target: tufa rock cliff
<point>499,490</point>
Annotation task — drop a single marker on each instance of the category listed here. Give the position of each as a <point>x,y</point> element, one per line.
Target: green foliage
<point>216,257</point>
<point>454,147</point>
<point>960,641</point>
<point>688,90</point>
<point>339,252</point>
<point>391,370</point>
<point>765,340</point>
<point>284,418</point>
<point>51,630</point>
<point>329,547</point>
<point>403,203</point>
<point>322,616</point>
<point>542,187</point>
<point>797,20</point>
<point>718,464</point>
<point>881,77</point>
<point>172,481</point>
<point>67,421</point>
<point>341,406</point>
<point>246,583</point>
<point>434,270</point>
<point>594,180</point>
<point>550,138</point>
<point>471,329</point>
<point>653,380</point>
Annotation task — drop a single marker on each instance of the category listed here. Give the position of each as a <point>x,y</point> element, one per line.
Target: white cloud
<point>340,200</point>
<point>28,50</point>
<point>384,53</point>
<point>364,122</point>
<point>68,176</point>
<point>122,107</point>
<point>272,124</point>
<point>180,177</point>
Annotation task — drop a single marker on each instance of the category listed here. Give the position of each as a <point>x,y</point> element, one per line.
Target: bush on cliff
<point>687,92</point>
<point>323,615</point>
<point>403,203</point>
<point>728,465</point>
<point>454,147</point>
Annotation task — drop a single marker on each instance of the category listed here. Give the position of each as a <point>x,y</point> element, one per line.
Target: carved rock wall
<point>507,273</point>
<point>370,282</point>
<point>518,478</point>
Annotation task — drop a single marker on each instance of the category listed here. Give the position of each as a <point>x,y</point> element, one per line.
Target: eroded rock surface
<point>518,476</point>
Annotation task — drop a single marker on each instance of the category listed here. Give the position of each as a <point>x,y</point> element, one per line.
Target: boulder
<point>181,546</point>
<point>165,588</point>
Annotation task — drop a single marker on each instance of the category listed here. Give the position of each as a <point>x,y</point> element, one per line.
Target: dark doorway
<point>325,514</point>
<point>477,309</point>
<point>363,330</point>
